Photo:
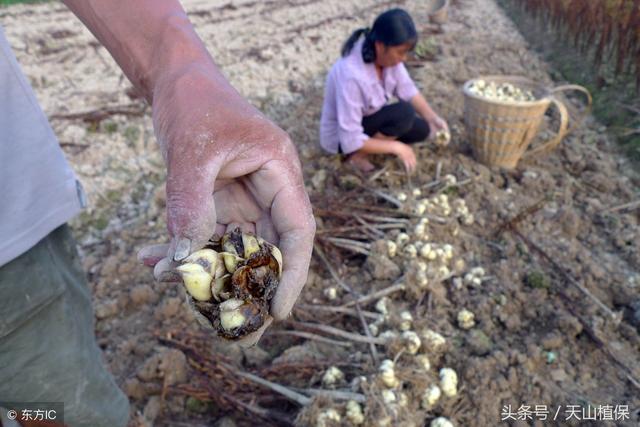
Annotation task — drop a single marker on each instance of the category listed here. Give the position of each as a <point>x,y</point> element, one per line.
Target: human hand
<point>440,133</point>
<point>437,123</point>
<point>228,166</point>
<point>406,154</point>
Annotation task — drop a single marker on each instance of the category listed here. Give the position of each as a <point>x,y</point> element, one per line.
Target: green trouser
<point>48,350</point>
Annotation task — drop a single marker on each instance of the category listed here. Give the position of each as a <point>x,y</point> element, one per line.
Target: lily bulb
<point>197,280</point>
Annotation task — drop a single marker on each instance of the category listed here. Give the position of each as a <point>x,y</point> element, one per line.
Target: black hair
<point>393,28</point>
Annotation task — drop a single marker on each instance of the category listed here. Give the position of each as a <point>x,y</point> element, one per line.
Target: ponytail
<point>351,41</point>
<point>369,49</point>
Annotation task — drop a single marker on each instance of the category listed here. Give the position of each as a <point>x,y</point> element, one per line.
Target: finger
<point>220,229</point>
<point>278,187</point>
<point>296,228</point>
<point>150,255</point>
<point>266,230</point>
<point>191,213</point>
<point>408,166</point>
<point>404,164</point>
<point>235,204</point>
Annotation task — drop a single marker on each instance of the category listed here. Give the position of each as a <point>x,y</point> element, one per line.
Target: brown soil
<point>537,339</point>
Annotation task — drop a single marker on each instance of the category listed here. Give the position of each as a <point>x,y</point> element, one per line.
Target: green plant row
<point>9,2</point>
<point>609,28</point>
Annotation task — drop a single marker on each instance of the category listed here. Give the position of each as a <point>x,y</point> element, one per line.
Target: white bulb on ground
<point>332,376</point>
<point>441,422</point>
<point>448,382</point>
<point>466,319</point>
<point>354,412</point>
<point>430,397</point>
<point>424,362</point>
<point>411,342</point>
<point>405,321</point>
<point>432,340</point>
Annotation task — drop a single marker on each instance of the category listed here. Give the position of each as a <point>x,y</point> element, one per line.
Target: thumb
<point>191,212</point>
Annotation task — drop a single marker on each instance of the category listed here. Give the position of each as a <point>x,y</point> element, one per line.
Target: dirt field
<point>557,307</point>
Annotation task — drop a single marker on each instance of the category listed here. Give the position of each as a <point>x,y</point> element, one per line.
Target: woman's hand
<point>406,154</point>
<point>437,123</point>
<point>228,166</point>
<point>438,127</point>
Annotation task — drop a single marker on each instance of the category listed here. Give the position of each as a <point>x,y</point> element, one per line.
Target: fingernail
<point>182,249</point>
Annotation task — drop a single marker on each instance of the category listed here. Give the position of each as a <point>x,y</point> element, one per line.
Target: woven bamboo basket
<point>500,132</point>
<point>439,11</point>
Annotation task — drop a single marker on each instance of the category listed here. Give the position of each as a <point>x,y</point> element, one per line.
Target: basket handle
<point>578,88</point>
<point>564,119</point>
<point>553,142</point>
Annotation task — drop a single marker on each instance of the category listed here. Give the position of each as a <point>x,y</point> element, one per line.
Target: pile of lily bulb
<point>405,389</point>
<point>408,387</point>
<point>500,91</point>
<point>425,250</point>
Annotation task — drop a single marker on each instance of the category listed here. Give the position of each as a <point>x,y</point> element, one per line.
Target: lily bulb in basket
<point>230,283</point>
<point>501,91</point>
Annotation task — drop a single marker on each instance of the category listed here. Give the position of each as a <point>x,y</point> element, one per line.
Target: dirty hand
<point>406,154</point>
<point>228,166</point>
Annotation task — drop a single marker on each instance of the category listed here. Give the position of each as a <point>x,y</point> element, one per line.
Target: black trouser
<point>398,120</point>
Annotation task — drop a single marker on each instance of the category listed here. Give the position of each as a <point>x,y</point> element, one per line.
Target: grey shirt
<point>38,189</point>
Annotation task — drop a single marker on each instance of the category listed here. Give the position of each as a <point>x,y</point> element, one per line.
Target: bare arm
<point>227,164</point>
<point>389,146</point>
<point>422,107</point>
<point>380,146</point>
